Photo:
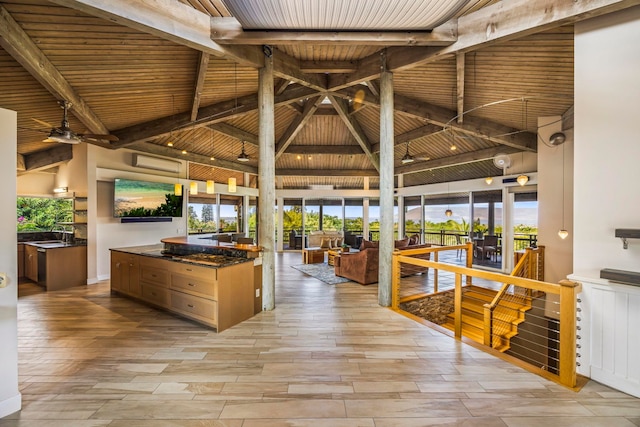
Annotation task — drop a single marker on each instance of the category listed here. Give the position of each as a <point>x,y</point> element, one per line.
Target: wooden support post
<point>386,187</point>
<point>458,307</point>
<point>469,261</point>
<point>395,281</point>
<point>488,325</point>
<point>266,182</point>
<point>568,294</point>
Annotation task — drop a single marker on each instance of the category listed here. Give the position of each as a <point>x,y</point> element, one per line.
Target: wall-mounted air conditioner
<point>157,163</point>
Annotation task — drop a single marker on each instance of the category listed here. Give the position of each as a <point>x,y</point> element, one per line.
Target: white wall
<point>607,148</point>
<point>36,184</point>
<point>551,195</point>
<point>10,399</point>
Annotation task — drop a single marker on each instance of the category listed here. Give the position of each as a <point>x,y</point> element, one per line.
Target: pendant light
<point>522,178</point>
<point>177,189</point>
<point>242,157</point>
<point>489,178</point>
<point>563,233</point>
<point>232,185</point>
<point>193,188</point>
<point>448,212</point>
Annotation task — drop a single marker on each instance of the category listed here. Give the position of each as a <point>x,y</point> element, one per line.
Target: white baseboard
<point>10,405</point>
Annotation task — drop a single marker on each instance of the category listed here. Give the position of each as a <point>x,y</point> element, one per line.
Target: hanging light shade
<point>563,234</point>
<point>177,189</point>
<point>243,157</point>
<point>193,188</point>
<point>232,185</point>
<point>211,187</point>
<point>522,179</point>
<point>448,212</point>
<point>488,180</point>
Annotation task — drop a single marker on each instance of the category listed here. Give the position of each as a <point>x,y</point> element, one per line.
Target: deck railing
<point>561,297</point>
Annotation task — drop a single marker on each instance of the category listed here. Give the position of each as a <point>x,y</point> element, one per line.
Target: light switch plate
<point>3,280</point>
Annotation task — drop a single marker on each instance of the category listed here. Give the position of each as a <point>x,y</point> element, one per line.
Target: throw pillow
<point>401,243</point>
<point>339,241</point>
<point>414,240</point>
<point>325,243</point>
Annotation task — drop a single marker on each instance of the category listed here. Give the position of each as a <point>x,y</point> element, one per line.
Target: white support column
<point>386,187</point>
<point>365,218</point>
<point>401,210</point>
<point>508,200</point>
<point>422,219</point>
<point>266,182</point>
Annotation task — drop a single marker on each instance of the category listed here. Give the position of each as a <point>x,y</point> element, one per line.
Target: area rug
<point>322,272</point>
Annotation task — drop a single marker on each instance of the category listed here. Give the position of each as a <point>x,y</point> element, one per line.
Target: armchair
<point>361,267</point>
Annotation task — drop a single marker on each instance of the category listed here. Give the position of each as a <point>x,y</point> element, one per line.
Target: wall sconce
<point>211,187</point>
<point>59,190</point>
<point>177,189</point>
<point>193,188</point>
<point>522,179</point>
<point>232,185</point>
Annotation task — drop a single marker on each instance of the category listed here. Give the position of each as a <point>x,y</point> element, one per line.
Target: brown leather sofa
<point>362,267</point>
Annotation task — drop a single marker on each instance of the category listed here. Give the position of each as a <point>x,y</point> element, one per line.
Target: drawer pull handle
<point>191,284</point>
<point>188,269</point>
<point>153,275</point>
<point>190,305</point>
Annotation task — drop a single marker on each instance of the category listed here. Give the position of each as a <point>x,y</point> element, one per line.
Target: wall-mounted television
<point>136,201</point>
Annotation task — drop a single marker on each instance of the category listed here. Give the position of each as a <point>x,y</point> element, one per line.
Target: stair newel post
<point>395,279</point>
<point>469,261</point>
<point>488,325</point>
<point>436,273</point>
<point>458,307</point>
<point>568,296</point>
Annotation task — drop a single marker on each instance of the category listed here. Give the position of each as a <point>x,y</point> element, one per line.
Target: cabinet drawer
<point>206,287</point>
<point>195,306</point>
<point>154,275</point>
<point>191,270</point>
<point>155,295</point>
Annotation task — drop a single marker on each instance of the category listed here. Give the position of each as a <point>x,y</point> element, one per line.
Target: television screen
<point>143,199</point>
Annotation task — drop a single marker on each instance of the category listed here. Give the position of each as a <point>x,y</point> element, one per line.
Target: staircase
<point>508,314</point>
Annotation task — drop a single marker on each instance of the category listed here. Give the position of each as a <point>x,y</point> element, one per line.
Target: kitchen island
<point>217,286</point>
<point>55,264</point>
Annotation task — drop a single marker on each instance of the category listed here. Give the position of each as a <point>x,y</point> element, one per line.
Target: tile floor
<point>327,356</point>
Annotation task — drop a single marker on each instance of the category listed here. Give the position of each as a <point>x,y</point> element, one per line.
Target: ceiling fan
<point>408,158</point>
<point>65,135</point>
<point>502,161</point>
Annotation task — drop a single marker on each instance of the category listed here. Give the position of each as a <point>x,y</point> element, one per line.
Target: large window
<point>42,213</point>
<point>412,216</point>
<point>353,214</point>
<point>440,228</point>
<point>525,220</point>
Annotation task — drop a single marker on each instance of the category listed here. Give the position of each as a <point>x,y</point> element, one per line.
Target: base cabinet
<point>216,297</point>
<point>31,263</point>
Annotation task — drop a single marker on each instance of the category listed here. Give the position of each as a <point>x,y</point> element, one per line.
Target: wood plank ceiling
<point>149,83</point>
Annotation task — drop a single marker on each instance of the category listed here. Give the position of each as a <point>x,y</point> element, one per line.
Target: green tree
<point>41,214</point>
<point>207,213</point>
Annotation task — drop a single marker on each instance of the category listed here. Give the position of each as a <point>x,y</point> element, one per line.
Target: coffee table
<point>312,255</point>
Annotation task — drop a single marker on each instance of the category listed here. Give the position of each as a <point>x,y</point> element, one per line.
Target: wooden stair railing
<point>500,321</point>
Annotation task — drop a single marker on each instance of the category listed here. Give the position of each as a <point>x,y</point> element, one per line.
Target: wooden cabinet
<point>125,273</point>
<point>217,297</point>
<point>31,263</point>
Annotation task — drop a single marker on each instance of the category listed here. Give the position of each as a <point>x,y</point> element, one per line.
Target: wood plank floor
<point>327,356</point>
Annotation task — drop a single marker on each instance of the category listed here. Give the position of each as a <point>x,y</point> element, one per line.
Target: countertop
<point>52,244</point>
<point>206,260</point>
<point>207,242</point>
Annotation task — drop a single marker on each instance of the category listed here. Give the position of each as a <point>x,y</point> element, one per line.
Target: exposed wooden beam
<point>356,130</point>
<point>20,46</point>
<point>328,66</point>
<point>43,159</point>
<point>20,166</point>
<point>374,88</point>
<point>207,115</point>
<point>324,149</point>
<point>203,64</point>
<point>327,172</point>
<point>162,150</point>
<point>442,117</point>
<point>235,132</point>
<point>310,107</point>
<point>287,67</point>
<point>227,30</point>
<point>280,85</point>
<point>170,20</point>
<point>460,85</point>
<point>497,23</point>
<point>473,156</point>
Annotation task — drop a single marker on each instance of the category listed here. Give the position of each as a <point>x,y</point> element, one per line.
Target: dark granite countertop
<point>202,259</point>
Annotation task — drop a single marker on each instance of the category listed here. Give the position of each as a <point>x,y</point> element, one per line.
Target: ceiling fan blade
<point>422,156</point>
<point>99,137</point>
<point>42,122</point>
